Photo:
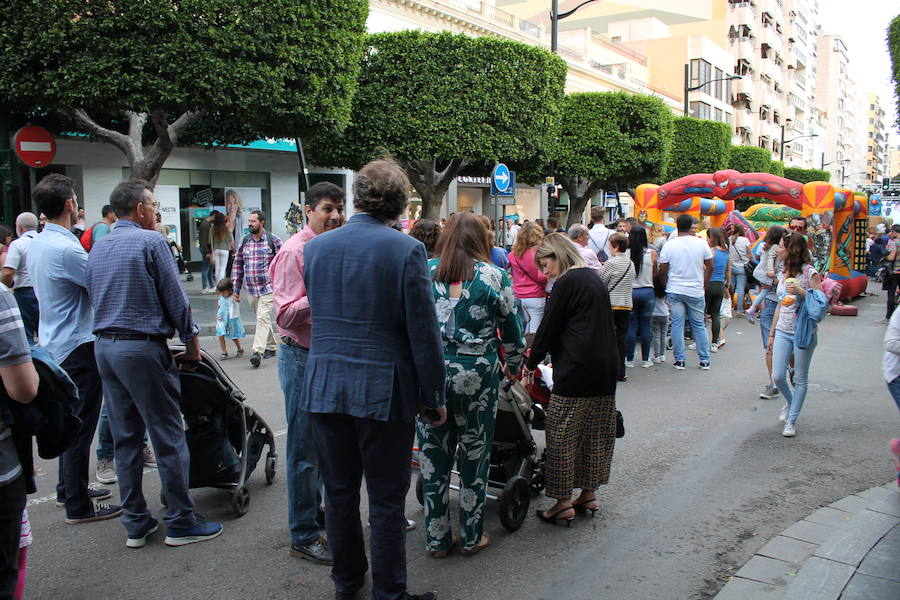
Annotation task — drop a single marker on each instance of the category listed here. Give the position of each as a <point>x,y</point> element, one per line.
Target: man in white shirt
<point>512,231</point>
<point>15,273</point>
<point>685,264</point>
<point>599,234</point>
<point>580,236</point>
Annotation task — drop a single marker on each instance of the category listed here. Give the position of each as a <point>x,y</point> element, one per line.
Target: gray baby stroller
<point>516,469</point>
<point>225,436</point>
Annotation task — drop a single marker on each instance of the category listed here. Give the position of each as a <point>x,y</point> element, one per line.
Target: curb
<point>848,545</point>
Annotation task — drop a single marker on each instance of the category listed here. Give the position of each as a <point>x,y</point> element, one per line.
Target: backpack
<point>87,238</point>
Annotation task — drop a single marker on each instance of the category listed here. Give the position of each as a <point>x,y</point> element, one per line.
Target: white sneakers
<point>714,347</point>
<point>660,359</point>
<point>647,364</point>
<point>208,291</point>
<point>629,364</point>
<point>790,430</point>
<point>783,415</point>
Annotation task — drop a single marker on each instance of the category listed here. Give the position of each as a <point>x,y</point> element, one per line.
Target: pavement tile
<point>889,505</point>
<point>788,549</point>
<point>745,589</point>
<point>893,534</point>
<point>830,516</point>
<point>863,587</point>
<point>819,579</point>
<point>808,532</point>
<point>850,543</point>
<point>875,493</point>
<point>768,570</point>
<point>892,487</point>
<point>853,504</point>
<point>883,561</point>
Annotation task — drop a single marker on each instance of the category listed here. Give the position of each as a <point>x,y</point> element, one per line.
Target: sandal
<point>239,353</point>
<point>483,543</point>
<point>582,507</point>
<point>446,551</point>
<point>556,518</point>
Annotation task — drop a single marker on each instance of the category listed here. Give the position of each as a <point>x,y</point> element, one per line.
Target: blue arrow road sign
<point>502,182</point>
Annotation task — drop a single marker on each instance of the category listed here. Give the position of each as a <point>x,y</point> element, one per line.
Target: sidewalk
<point>205,306</point>
<point>849,549</point>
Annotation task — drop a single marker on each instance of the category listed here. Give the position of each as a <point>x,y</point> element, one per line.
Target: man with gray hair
<point>15,273</point>
<point>580,236</point>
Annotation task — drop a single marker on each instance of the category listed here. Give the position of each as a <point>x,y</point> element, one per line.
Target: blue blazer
<point>376,350</point>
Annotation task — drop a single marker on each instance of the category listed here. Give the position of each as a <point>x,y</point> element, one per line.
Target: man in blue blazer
<point>375,362</point>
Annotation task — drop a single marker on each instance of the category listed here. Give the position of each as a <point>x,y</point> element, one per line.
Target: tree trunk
<point>145,161</point>
<point>431,184</point>
<point>580,191</point>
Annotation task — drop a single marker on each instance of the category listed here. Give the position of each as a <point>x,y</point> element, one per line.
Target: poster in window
<point>239,201</point>
<point>167,196</point>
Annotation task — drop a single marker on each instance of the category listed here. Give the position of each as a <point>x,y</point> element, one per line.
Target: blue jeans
<point>894,388</point>
<point>683,307</point>
<point>303,480</point>
<point>783,347</point>
<point>28,307</point>
<point>639,322</point>
<point>765,320</point>
<point>206,273</point>
<point>739,285</point>
<point>104,435</point>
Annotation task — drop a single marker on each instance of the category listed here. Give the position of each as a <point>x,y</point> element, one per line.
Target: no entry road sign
<point>35,146</point>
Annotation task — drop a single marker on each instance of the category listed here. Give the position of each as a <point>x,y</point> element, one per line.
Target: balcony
<point>770,37</point>
<point>744,47</point>
<point>744,119</point>
<point>770,70</point>
<point>744,86</point>
<point>744,13</point>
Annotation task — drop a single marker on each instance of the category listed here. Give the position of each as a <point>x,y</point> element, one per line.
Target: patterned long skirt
<point>581,436</point>
<point>471,394</point>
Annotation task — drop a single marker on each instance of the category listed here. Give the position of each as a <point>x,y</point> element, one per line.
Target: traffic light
<point>886,183</point>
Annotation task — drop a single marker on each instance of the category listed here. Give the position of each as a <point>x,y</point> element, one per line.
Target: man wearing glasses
<point>797,225</point>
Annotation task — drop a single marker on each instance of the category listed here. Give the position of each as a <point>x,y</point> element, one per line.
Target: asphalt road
<point>701,481</point>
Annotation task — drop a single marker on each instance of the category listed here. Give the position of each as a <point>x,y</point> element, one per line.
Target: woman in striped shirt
<point>618,275</point>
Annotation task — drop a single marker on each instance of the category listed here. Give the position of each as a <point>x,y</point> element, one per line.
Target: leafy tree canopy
<point>893,42</point>
<point>699,146</point>
<point>750,159</point>
<point>806,175</point>
<point>776,167</point>
<point>439,102</point>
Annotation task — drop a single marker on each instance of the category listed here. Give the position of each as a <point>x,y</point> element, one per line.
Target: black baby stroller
<point>225,436</point>
<point>515,468</point>
<point>183,266</point>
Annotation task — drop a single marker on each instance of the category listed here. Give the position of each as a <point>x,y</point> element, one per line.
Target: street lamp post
<point>688,88</point>
<point>783,142</point>
<point>555,18</point>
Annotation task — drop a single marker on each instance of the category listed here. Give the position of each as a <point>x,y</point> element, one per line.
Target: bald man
<point>15,273</point>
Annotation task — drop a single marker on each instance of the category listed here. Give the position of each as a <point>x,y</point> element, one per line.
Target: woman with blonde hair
<point>656,238</point>
<point>577,330</point>
<point>529,283</point>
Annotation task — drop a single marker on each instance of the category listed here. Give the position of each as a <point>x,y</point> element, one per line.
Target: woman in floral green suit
<point>474,299</point>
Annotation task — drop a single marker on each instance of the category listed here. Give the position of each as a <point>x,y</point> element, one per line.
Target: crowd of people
<point>384,341</point>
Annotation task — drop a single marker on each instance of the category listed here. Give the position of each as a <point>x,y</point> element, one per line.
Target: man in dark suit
<point>375,361</point>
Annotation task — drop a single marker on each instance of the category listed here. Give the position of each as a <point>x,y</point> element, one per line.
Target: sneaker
<point>783,415</point>
<point>719,344</point>
<point>200,532</point>
<point>93,494</point>
<point>704,365</point>
<point>255,359</point>
<point>106,471</point>
<point>223,356</point>
<point>269,353</point>
<point>714,347</point>
<point>140,539</point>
<point>751,316</point>
<point>883,321</point>
<point>790,430</point>
<point>770,392</point>
<point>207,291</point>
<point>692,346</point>
<point>103,512</point>
<point>679,364</point>
<point>647,364</point>
<point>239,353</point>
<point>660,359</point>
<point>410,525</point>
<point>629,364</point>
<point>149,456</point>
<point>316,552</point>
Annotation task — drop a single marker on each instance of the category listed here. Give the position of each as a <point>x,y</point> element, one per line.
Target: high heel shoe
<point>583,507</point>
<point>555,517</point>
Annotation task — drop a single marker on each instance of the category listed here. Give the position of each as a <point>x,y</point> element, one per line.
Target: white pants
<point>221,259</point>
<point>534,308</point>
<point>264,338</point>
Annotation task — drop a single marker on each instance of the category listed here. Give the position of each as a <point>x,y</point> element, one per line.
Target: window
<point>718,85</point>
<point>718,115</point>
<point>701,73</point>
<point>728,95</point>
<point>700,110</point>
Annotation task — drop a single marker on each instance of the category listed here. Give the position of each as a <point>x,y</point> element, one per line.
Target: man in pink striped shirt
<point>324,212</point>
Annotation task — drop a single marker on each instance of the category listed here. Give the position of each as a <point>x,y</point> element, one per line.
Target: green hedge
<point>699,147</point>
<point>750,159</point>
<point>776,167</point>
<point>806,175</point>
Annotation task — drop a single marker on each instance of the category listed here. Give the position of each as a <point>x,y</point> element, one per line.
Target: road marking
<point>45,499</point>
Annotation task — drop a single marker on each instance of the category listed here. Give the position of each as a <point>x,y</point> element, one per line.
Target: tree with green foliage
<point>439,103</point>
<point>776,167</point>
<point>147,76</point>
<point>806,175</point>
<point>699,146</point>
<point>610,139</point>
<point>750,159</point>
<point>893,43</point>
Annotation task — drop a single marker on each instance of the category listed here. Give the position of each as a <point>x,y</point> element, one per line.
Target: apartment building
<point>877,154</point>
<point>836,103</point>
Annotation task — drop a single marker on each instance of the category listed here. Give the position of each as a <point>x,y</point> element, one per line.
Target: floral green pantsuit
<point>486,305</point>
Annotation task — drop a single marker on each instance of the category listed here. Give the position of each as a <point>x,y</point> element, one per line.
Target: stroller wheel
<point>420,492</point>
<point>240,500</point>
<point>514,502</point>
<point>271,462</point>
<point>190,277</point>
<point>537,483</point>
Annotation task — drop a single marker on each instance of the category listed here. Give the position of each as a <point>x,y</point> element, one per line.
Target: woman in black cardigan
<point>578,332</point>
